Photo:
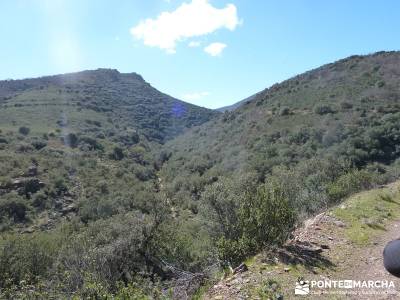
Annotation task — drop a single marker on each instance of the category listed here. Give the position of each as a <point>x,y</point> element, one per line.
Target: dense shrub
<point>14,207</point>
<point>117,154</point>
<point>39,144</point>
<point>24,130</point>
<point>249,220</point>
<point>27,257</point>
<point>351,182</point>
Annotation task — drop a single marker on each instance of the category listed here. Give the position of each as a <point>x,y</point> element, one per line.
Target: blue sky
<point>212,54</point>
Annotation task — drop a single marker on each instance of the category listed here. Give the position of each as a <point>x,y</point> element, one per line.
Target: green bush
<point>27,257</point>
<point>349,183</point>
<point>14,207</point>
<point>250,220</point>
<point>267,217</point>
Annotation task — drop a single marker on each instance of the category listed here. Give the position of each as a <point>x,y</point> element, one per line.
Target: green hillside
<point>76,149</point>
<point>119,103</point>
<point>309,141</point>
<point>110,188</point>
<point>345,113</point>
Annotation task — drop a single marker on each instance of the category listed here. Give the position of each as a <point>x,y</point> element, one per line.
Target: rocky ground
<point>28,183</point>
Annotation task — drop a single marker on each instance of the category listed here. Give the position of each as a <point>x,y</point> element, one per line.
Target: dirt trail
<point>367,263</point>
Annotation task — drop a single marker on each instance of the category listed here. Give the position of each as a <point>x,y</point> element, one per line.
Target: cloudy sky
<point>208,52</point>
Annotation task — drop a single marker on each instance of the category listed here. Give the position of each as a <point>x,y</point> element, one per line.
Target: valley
<point>110,188</point>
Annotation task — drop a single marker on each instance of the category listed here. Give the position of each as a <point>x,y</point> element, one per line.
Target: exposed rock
<point>339,223</point>
<point>68,209</point>
<point>28,230</point>
<point>27,185</point>
<point>240,269</point>
<point>324,246</point>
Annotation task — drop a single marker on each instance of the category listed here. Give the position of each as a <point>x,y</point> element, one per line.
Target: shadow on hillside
<point>305,254</point>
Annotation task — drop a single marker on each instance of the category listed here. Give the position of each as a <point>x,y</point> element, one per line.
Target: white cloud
<point>215,49</point>
<point>194,44</point>
<point>192,19</point>
<point>195,96</point>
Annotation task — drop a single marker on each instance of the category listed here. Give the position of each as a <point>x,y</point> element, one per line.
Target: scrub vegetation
<point>110,188</point>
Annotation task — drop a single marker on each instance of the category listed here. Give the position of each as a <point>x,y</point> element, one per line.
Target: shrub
<point>40,200</point>
<point>267,216</point>
<point>31,255</point>
<point>117,154</point>
<point>24,147</point>
<point>90,143</point>
<point>284,111</point>
<point>38,144</point>
<point>349,183</point>
<point>251,220</point>
<point>323,109</point>
<point>71,140</point>
<point>346,105</point>
<point>14,207</point>
<point>24,130</point>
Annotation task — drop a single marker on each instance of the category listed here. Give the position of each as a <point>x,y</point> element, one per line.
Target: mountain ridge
<point>107,91</point>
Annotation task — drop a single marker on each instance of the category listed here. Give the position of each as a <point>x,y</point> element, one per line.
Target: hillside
<point>53,127</point>
<point>297,149</point>
<point>118,101</point>
<point>343,243</point>
<point>236,105</point>
<point>110,188</point>
<point>346,113</point>
<point>79,152</point>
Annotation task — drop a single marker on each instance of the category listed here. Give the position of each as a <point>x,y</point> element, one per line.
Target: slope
<point>236,105</point>
<point>78,181</point>
<point>343,243</point>
<point>345,113</point>
<point>115,100</point>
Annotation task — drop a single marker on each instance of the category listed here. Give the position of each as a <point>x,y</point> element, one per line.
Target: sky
<point>210,53</point>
